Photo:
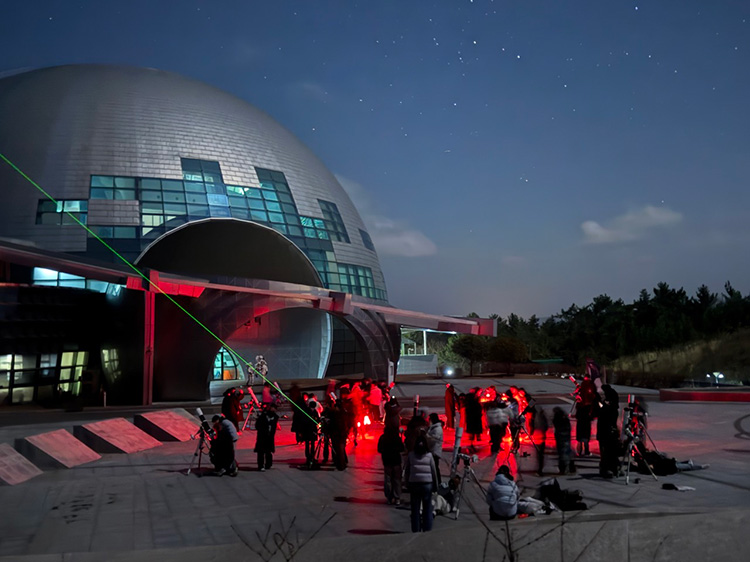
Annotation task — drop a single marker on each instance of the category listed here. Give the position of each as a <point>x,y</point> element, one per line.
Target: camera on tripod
<point>468,459</point>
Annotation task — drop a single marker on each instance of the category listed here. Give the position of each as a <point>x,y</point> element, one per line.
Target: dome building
<point>186,180</point>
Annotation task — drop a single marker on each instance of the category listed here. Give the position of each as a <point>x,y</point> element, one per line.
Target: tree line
<point>606,329</point>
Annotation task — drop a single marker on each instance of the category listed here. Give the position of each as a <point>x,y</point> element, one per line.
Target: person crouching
<point>222,447</point>
<point>502,496</point>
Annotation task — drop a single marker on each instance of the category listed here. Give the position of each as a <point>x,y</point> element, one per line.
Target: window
<point>64,212</point>
<point>334,222</point>
<point>112,187</point>
<point>366,240</point>
<point>226,366</point>
<point>201,170</point>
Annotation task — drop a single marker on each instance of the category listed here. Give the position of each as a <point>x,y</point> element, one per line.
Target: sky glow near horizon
<point>506,156</point>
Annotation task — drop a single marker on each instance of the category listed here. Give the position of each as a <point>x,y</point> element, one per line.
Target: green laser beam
<point>155,286</point>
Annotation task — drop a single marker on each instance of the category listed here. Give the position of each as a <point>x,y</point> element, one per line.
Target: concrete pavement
<point>144,507</point>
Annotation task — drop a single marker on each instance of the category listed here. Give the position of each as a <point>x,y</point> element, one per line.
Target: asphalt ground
<point>145,507</point>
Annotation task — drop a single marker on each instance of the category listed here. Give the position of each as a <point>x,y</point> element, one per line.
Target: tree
<point>472,348</point>
<point>507,350</point>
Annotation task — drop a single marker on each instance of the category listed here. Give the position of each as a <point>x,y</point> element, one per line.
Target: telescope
<point>205,426</point>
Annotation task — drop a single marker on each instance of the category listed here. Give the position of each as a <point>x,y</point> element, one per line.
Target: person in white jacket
<point>502,495</point>
<point>435,442</point>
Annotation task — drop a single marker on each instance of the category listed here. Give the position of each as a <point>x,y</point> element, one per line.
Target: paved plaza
<point>144,507</point>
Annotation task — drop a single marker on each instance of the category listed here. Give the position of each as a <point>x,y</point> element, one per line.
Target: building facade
<point>168,173</point>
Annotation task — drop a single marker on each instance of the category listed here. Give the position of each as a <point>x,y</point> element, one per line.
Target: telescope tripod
<point>515,434</point>
<point>199,449</point>
<point>634,452</point>
<point>468,473</point>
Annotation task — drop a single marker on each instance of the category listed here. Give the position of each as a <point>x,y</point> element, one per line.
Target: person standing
<point>374,398</point>
<point>585,401</point>
<point>421,475</point>
<point>541,425</point>
<point>310,423</point>
<point>265,440</point>
<point>561,423</point>
<point>497,421</point>
<point>231,407</point>
<point>390,447</point>
<point>393,414</point>
<point>261,368</point>
<point>607,433</point>
<point>474,426</point>
<point>450,406</point>
<point>435,442</point>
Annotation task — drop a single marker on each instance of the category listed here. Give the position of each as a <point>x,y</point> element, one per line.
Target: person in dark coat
<point>309,424</point>
<point>265,440</point>
<point>450,406</point>
<point>607,433</point>
<point>561,423</point>
<point>390,447</point>
<point>541,425</point>
<point>474,425</point>
<point>231,407</point>
<point>393,414</point>
<point>416,427</point>
<point>222,447</point>
<point>585,401</point>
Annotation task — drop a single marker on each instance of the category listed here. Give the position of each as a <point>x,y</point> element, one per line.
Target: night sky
<point>506,156</point>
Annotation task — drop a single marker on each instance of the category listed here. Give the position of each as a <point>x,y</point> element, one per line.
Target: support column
<point>149,306</point>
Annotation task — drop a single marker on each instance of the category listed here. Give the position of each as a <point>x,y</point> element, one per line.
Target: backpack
<point>565,500</point>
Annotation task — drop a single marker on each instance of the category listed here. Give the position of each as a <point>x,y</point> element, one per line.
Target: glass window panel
<point>103,231</point>
<point>239,202</point>
<point>98,286</point>
<point>174,197</point>
<point>150,183</point>
<point>253,192</point>
<point>124,194</point>
<point>287,208</point>
<point>295,230</point>
<point>211,177</point>
<point>267,185</point>
<point>125,232</point>
<point>292,219</point>
<point>125,182</point>
<point>151,195</point>
<point>235,190</point>
<point>279,227</point>
<point>75,283</point>
<point>217,188</point>
<point>73,206</point>
<point>152,207</point>
<point>44,274</point>
<point>199,198</point>
<point>190,164</point>
<point>323,235</point>
<point>240,213</point>
<point>319,223</point>
<point>263,174</point>
<point>195,187</point>
<point>270,195</point>
<point>281,186</point>
<point>277,176</point>
<point>286,198</point>
<point>198,210</point>
<point>102,181</point>
<point>101,193</point>
<point>71,218</point>
<point>273,206</point>
<point>257,204</point>
<point>218,200</point>
<point>174,208</point>
<point>46,206</point>
<point>306,221</point>
<point>309,232</point>
<point>276,217</point>
<point>152,220</point>
<point>171,185</point>
<point>192,176</point>
<point>210,166</point>
<point>219,211</point>
<point>149,233</point>
<point>259,216</point>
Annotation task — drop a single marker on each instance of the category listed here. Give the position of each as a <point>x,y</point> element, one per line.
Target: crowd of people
<point>411,449</point>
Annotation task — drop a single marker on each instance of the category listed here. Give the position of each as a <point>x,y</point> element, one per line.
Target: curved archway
<point>212,248</point>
